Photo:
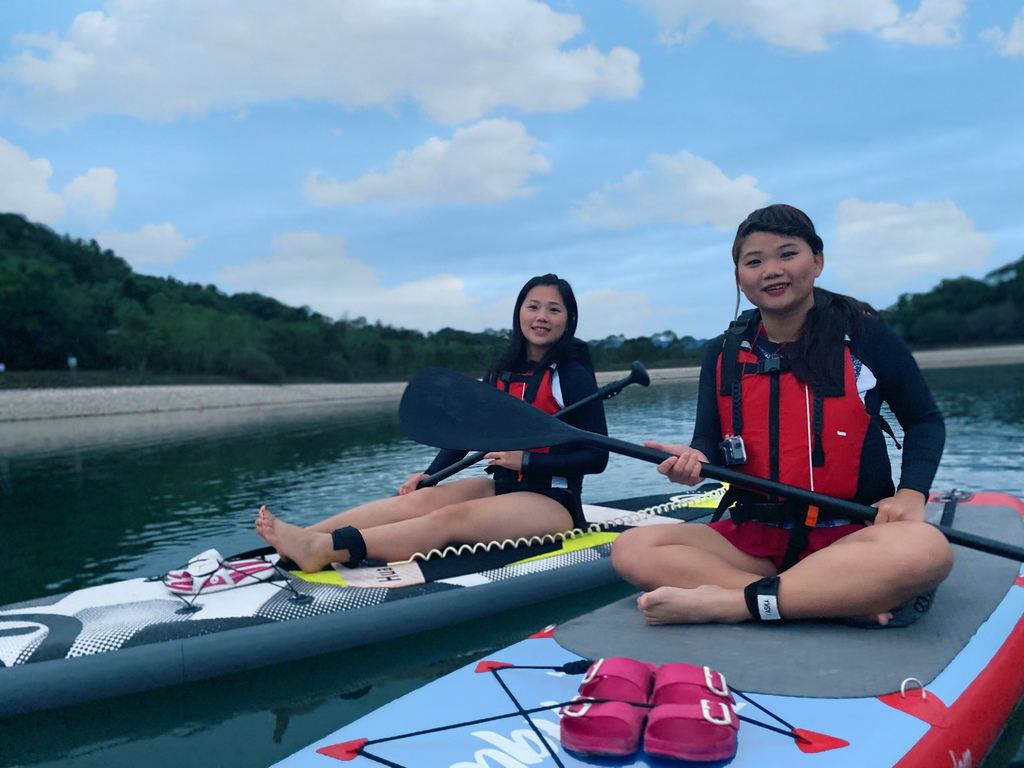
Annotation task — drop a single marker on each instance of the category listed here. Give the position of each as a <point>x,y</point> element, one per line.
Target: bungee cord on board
<point>630,518</point>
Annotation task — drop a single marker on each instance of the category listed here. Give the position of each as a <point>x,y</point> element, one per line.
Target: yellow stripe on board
<point>322,577</point>
<point>585,541</point>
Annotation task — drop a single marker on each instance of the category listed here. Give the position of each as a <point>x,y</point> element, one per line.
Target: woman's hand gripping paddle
<point>638,375</point>
<point>445,409</point>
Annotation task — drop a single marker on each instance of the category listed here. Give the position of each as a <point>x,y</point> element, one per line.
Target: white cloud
<point>1008,43</point>
<point>153,244</point>
<point>93,195</point>
<point>163,59</point>
<point>484,163</point>
<point>934,23</point>
<point>25,188</point>
<point>315,270</point>
<point>310,269</point>
<point>808,25</point>
<point>678,188</point>
<point>881,245</point>
<point>605,312</point>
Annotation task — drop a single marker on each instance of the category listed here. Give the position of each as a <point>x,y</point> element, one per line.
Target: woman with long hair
<point>530,493</point>
<point>792,392</point>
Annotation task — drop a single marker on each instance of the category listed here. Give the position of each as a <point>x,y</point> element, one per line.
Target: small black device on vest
<point>732,450</point>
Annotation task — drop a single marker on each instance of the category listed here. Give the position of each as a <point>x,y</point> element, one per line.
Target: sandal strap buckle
<point>582,704</point>
<point>705,708</point>
<point>592,672</point>
<point>710,682</point>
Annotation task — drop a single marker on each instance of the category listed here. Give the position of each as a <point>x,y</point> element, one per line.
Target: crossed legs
<point>462,512</point>
<point>691,574</point>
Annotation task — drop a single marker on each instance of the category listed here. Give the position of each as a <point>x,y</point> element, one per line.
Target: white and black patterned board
<point>141,619</point>
<point>105,618</point>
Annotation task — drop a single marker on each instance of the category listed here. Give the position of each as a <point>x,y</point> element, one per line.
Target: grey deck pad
<point>822,659</point>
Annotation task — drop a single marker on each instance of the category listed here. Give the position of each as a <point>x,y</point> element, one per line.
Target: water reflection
<point>95,515</point>
<point>104,509</point>
<point>89,515</point>
<point>980,395</point>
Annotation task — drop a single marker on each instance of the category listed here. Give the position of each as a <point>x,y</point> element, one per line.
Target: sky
<point>416,161</point>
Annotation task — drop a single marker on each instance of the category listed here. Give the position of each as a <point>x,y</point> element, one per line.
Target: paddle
<point>637,375</point>
<point>448,410</point>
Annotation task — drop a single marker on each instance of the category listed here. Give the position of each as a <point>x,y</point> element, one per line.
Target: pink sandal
<point>611,729</point>
<point>680,683</point>
<point>693,716</point>
<point>699,732</point>
<point>620,679</point>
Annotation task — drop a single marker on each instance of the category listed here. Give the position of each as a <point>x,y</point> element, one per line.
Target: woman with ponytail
<point>792,392</point>
<point>530,493</point>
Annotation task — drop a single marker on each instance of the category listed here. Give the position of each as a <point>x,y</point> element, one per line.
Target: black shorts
<point>503,483</point>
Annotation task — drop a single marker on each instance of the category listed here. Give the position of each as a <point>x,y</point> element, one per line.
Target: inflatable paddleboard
<point>935,693</point>
<point>137,635</point>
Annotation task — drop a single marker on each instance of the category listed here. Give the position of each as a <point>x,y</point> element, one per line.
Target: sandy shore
<point>41,421</point>
<point>42,404</point>
<point>36,404</point>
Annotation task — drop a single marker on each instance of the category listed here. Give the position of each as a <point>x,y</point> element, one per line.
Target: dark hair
<point>833,316</point>
<point>567,345</point>
<point>780,219</point>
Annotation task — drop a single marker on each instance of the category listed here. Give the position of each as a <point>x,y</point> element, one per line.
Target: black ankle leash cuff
<point>351,539</point>
<point>763,599</point>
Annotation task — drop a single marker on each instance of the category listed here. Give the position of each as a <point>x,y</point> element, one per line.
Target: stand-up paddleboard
<point>935,693</point>
<point>137,635</point>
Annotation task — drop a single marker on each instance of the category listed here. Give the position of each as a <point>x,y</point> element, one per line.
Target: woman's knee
<point>936,554</point>
<point>924,554</point>
<point>630,552</point>
<point>450,517</point>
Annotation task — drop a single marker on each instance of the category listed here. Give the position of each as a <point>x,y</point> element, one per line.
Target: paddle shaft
<point>637,375</point>
<point>851,509</point>
<point>448,410</point>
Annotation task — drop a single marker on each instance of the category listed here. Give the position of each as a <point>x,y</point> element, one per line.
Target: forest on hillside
<point>62,297</point>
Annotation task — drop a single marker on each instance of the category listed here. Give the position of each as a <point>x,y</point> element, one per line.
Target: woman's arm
<point>445,458</point>
<point>902,386</point>
<point>707,427</point>
<point>684,466</point>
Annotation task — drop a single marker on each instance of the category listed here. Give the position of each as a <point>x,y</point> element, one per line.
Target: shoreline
<point>41,405</point>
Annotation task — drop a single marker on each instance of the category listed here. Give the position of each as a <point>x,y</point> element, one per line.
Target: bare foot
<point>310,550</point>
<point>702,605</point>
<point>881,619</point>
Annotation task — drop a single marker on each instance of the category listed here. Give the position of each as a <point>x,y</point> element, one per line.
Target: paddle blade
<point>638,374</point>
<point>445,409</point>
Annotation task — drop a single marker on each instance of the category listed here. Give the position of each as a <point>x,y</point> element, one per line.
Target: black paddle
<point>637,375</point>
<point>448,410</point>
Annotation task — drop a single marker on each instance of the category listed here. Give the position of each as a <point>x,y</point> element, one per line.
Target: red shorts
<point>761,540</point>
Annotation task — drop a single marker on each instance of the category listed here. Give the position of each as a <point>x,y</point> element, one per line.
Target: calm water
<point>139,506</point>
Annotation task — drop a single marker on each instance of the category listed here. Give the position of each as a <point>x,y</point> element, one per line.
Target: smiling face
<point>542,319</point>
<point>777,272</point>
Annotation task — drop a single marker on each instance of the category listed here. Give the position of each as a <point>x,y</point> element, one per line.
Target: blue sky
<point>415,161</point>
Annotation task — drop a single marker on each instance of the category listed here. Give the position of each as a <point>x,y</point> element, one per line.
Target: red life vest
<point>792,433</point>
<point>535,388</point>
<point>531,388</point>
